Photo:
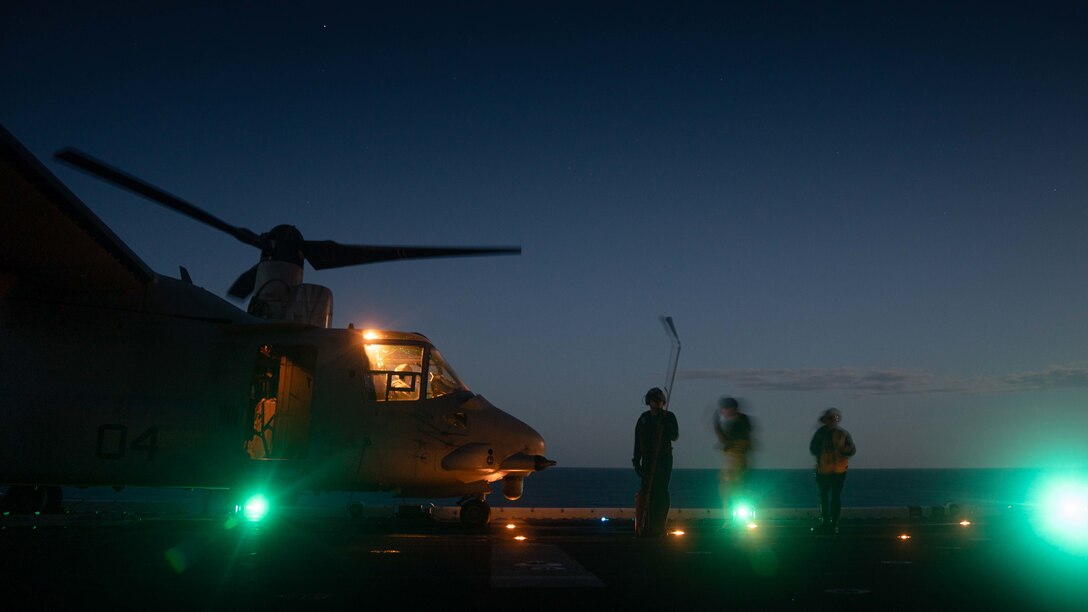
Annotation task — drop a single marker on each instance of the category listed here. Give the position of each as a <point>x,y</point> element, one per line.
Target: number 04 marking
<point>112,442</point>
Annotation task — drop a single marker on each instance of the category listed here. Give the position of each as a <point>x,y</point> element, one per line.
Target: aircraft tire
<point>27,499</point>
<point>53,498</point>
<point>475,514</point>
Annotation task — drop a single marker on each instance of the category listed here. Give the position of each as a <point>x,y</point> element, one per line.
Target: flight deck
<point>127,560</point>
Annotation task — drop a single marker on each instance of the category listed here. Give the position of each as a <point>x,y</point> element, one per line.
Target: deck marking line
<point>520,565</point>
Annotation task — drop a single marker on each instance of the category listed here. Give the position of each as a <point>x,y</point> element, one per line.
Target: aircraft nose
<point>519,442</point>
<point>530,456</point>
<point>530,441</point>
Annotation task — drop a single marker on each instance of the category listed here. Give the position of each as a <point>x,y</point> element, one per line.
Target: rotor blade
<point>325,254</point>
<point>117,177</point>
<point>245,283</point>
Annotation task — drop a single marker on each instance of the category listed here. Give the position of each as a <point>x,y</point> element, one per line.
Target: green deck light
<point>744,512</point>
<point>1062,514</point>
<point>255,508</point>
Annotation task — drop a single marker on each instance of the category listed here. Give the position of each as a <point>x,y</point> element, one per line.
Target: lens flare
<point>255,508</point>
<point>1061,514</point>
<point>744,512</point>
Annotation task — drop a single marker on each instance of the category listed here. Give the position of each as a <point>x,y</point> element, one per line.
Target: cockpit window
<point>441,379</point>
<point>396,371</point>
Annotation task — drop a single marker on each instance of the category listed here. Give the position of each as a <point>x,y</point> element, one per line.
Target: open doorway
<point>280,398</point>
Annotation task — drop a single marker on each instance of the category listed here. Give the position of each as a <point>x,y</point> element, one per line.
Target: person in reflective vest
<point>832,446</point>
<point>734,431</point>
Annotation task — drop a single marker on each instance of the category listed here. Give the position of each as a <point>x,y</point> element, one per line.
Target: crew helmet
<point>653,393</point>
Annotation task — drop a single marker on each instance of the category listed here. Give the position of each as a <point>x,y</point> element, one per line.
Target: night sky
<point>877,206</point>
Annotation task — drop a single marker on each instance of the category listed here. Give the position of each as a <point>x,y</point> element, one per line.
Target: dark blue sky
<point>876,206</point>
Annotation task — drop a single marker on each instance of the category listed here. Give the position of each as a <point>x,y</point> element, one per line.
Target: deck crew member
<point>734,431</point>
<point>832,446</point>
<point>655,432</point>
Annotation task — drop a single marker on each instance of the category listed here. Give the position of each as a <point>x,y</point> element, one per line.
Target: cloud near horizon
<point>893,381</point>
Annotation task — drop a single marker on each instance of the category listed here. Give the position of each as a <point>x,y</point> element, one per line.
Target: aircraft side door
<point>280,402</point>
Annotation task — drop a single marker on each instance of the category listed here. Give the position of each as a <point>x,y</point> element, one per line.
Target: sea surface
<point>693,488</point>
<point>690,488</point>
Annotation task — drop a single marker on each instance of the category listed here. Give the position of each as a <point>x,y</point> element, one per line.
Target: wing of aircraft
<point>51,241</point>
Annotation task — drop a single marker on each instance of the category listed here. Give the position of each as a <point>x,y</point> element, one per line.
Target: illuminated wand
<point>674,355</point>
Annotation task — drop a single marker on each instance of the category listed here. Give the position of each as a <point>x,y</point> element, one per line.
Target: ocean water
<point>693,488</point>
<point>589,487</point>
<point>698,488</point>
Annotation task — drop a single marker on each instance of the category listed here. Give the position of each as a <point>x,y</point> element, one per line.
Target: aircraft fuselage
<point>200,395</point>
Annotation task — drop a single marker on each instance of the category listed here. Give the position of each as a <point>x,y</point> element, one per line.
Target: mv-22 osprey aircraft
<point>114,375</point>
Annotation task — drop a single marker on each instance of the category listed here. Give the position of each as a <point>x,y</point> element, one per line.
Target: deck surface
<point>149,562</point>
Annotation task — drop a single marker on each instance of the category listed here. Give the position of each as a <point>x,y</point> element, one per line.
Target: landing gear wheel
<point>29,499</point>
<point>53,498</point>
<point>475,514</point>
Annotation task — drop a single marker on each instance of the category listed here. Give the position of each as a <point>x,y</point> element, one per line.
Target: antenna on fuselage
<point>674,355</point>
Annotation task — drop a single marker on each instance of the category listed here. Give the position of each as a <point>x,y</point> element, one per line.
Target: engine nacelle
<point>311,304</point>
<point>282,296</point>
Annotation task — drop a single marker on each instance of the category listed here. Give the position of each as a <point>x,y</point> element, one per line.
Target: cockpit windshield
<point>441,379</point>
<point>396,371</point>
